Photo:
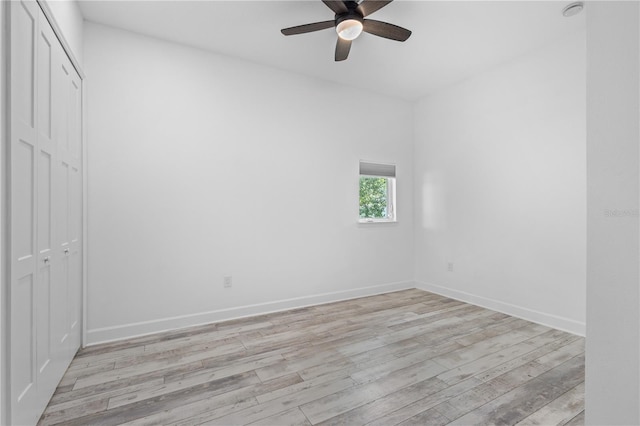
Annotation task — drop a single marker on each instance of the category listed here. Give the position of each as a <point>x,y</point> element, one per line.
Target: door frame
<point>5,31</point>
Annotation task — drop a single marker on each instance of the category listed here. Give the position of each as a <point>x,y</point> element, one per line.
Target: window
<point>377,192</point>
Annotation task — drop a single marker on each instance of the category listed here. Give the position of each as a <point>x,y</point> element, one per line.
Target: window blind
<point>376,169</point>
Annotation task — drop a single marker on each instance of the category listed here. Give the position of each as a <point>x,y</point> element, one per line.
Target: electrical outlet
<point>228,281</point>
<point>450,266</point>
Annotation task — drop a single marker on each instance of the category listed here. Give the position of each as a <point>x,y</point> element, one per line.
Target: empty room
<point>319,212</point>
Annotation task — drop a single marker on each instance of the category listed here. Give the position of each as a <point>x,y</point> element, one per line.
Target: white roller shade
<point>376,169</point>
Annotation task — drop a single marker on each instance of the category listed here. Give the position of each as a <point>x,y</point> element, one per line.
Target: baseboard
<point>549,320</point>
<point>128,331</point>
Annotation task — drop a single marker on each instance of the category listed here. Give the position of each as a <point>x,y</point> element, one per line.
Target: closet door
<point>46,212</point>
<point>23,177</point>
<point>59,287</point>
<point>47,368</point>
<point>71,185</point>
<point>67,269</point>
<point>66,118</point>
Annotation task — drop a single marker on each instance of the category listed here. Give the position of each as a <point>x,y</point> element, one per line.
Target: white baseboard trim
<point>549,320</point>
<point>128,331</point>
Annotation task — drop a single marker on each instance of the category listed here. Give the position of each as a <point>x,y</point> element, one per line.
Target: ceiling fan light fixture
<point>349,29</point>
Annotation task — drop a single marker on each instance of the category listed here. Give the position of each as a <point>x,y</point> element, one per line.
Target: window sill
<point>376,222</point>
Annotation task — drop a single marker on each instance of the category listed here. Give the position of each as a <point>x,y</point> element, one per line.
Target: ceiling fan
<point>350,23</point>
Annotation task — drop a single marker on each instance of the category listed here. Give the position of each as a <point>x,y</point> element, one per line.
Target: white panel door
<point>23,177</point>
<point>48,371</point>
<point>71,161</point>
<point>67,272</point>
<point>46,212</point>
<point>60,290</point>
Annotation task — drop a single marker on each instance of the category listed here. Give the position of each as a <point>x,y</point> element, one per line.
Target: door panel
<point>44,76</point>
<point>22,371</point>
<point>43,315</point>
<point>75,213</point>
<point>48,370</point>
<point>23,178</point>
<point>62,219</point>
<point>45,230</point>
<point>75,128</point>
<point>60,291</point>
<point>61,320</point>
<point>46,212</point>
<point>23,38</point>
<point>75,258</point>
<point>62,141</point>
<point>23,199</point>
<point>43,311</point>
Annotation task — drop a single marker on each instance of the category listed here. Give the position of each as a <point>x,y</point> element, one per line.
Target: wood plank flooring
<point>409,357</point>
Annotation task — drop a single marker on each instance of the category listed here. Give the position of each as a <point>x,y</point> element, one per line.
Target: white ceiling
<point>451,40</point>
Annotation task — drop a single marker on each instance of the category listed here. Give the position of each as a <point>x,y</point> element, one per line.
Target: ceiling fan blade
<point>307,28</point>
<point>342,49</point>
<point>386,30</point>
<point>367,7</point>
<point>337,6</point>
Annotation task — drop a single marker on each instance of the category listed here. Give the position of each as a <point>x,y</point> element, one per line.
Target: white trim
<point>4,203</point>
<point>85,209</point>
<point>549,320</point>
<point>127,331</point>
<point>60,35</point>
<point>377,222</point>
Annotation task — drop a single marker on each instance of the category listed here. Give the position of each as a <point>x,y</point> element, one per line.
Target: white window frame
<point>391,194</point>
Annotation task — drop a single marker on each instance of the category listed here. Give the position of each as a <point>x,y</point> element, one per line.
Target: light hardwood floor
<point>409,357</point>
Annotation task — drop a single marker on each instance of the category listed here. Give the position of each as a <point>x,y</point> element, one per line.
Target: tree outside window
<point>377,192</point>
<point>373,197</point>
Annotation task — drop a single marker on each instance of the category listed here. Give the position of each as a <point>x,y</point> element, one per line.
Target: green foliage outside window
<point>373,197</point>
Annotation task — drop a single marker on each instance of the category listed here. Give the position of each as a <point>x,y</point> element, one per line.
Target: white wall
<point>200,166</point>
<point>613,242</point>
<point>70,21</point>
<point>500,188</point>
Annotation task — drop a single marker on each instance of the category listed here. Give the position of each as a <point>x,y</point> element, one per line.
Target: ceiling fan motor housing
<point>353,13</point>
